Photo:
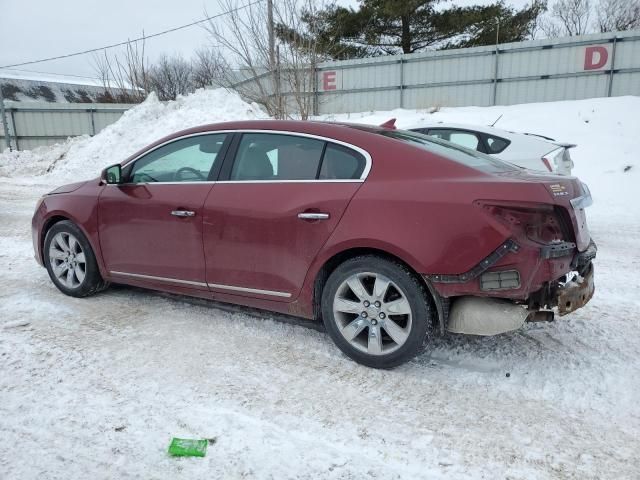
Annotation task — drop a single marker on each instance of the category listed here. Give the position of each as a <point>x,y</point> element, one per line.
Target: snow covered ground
<point>96,388</point>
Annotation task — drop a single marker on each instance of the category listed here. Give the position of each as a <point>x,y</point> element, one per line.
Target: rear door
<point>279,198</point>
<point>151,226</point>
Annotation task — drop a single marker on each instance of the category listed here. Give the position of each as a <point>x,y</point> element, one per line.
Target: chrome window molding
<point>271,293</point>
<point>364,153</point>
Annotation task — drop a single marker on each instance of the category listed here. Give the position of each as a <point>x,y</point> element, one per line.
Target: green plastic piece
<point>186,447</point>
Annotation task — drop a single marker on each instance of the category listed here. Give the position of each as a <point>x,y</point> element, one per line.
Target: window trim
<point>231,150</point>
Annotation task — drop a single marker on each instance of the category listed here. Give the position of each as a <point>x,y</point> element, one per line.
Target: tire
<point>376,311</point>
<point>66,249</point>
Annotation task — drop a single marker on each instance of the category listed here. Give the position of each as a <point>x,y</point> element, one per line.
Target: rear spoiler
<point>566,145</point>
<point>390,124</point>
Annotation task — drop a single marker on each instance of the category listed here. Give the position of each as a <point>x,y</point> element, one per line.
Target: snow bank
<point>606,131</point>
<point>84,157</point>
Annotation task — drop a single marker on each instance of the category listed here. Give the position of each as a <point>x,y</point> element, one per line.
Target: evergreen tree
<point>380,27</point>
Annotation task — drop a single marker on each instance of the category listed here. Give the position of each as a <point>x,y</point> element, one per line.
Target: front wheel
<point>71,262</point>
<point>376,311</point>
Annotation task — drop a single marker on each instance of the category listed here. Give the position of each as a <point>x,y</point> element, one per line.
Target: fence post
<point>315,91</point>
<point>93,121</point>
<point>495,77</point>
<point>402,82</point>
<point>5,127</point>
<point>14,127</point>
<point>613,66</point>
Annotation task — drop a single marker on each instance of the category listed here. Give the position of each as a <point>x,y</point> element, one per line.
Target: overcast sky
<point>34,29</point>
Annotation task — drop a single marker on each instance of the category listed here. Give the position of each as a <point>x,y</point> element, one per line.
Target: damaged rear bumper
<point>576,293</point>
<point>490,316</point>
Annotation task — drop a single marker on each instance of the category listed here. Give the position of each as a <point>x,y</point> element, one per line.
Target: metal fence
<point>587,66</point>
<point>33,125</point>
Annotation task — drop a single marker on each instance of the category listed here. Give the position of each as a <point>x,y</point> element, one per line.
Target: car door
<point>279,198</point>
<point>150,227</point>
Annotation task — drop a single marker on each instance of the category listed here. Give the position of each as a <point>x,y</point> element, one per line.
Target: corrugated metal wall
<point>571,68</point>
<point>597,65</point>
<point>33,125</point>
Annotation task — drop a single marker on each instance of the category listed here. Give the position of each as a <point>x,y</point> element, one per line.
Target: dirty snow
<point>96,388</point>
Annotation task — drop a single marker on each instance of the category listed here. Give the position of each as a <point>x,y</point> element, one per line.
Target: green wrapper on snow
<point>185,447</point>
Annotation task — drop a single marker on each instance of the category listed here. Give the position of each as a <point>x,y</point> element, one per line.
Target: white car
<point>527,150</point>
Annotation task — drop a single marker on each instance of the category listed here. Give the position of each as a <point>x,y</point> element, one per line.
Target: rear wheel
<point>71,262</point>
<point>376,311</point>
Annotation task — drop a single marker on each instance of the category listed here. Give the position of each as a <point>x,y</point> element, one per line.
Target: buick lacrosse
<point>387,236</point>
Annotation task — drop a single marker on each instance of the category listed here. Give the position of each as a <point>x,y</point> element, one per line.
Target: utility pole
<point>7,138</point>
<point>272,39</point>
<point>495,69</point>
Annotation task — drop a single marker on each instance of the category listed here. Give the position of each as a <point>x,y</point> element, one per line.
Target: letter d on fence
<point>595,57</point>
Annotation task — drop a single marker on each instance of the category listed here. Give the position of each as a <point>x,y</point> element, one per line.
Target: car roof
<point>356,134</point>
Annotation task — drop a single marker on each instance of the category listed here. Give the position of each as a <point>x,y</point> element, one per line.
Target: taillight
<point>539,224</point>
<point>547,163</point>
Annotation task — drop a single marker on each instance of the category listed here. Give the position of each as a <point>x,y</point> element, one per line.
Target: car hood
<point>70,187</point>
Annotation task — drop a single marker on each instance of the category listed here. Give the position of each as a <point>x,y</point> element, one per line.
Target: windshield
<point>466,156</point>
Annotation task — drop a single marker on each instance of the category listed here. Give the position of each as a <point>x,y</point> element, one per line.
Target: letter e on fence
<point>329,80</point>
<point>595,57</point>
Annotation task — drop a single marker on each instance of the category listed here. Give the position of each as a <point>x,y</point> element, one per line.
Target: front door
<point>281,200</point>
<point>150,227</point>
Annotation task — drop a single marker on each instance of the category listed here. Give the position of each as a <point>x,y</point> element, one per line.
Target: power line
<point>135,40</point>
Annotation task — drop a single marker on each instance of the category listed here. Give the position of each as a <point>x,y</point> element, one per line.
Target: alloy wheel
<point>68,260</point>
<point>372,313</point>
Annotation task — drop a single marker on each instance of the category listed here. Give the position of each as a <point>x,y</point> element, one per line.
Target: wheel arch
<point>46,226</point>
<point>340,257</point>
<point>58,216</point>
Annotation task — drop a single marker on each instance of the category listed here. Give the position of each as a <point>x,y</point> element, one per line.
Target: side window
<point>459,137</point>
<point>272,156</point>
<point>496,144</point>
<point>185,160</point>
<point>341,163</point>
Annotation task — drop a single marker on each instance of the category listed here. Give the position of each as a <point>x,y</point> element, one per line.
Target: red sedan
<point>387,236</point>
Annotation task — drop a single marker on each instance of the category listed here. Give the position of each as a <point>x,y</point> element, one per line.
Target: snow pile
<point>84,157</point>
<point>606,131</point>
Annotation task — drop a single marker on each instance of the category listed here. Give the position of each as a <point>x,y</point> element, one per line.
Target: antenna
<point>496,120</point>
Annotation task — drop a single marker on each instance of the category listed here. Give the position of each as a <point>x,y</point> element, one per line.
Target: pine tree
<point>379,27</point>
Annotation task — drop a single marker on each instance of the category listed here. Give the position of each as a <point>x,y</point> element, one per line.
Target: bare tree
<point>170,77</point>
<point>618,15</point>
<point>124,76</point>
<point>245,64</point>
<point>568,18</point>
<point>206,67</point>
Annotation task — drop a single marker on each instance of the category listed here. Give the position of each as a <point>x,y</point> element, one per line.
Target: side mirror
<point>112,175</point>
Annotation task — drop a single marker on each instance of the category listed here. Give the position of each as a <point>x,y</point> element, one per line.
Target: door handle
<point>183,213</point>
<point>313,216</point>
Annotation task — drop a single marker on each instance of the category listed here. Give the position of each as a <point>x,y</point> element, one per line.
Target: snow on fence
<point>572,68</point>
<point>34,124</point>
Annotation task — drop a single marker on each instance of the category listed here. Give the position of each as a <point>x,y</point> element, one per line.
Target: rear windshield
<point>466,156</point>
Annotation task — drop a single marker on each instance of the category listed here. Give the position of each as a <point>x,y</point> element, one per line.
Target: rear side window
<point>459,137</point>
<point>496,144</point>
<point>341,163</point>
<point>266,156</point>
<point>281,157</point>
